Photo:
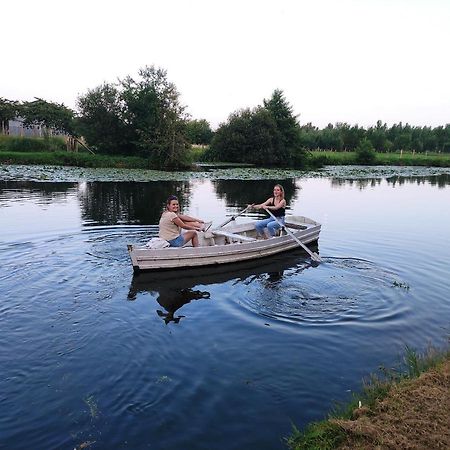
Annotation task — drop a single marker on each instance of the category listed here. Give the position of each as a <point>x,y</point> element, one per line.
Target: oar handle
<point>314,256</point>
<point>234,217</point>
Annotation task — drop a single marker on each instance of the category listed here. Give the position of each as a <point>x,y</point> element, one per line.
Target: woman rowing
<point>275,204</point>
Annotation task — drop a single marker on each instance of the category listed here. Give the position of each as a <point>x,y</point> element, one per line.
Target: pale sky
<point>336,60</point>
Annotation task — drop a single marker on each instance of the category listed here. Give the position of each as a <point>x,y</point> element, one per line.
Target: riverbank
<point>320,158</point>
<point>316,159</point>
<point>406,410</point>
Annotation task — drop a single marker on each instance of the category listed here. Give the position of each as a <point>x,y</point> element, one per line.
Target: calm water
<point>212,359</point>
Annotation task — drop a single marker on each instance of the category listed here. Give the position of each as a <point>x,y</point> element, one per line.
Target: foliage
<point>34,144</point>
<point>48,115</point>
<point>100,121</point>
<point>64,158</point>
<point>8,110</point>
<point>136,116</point>
<point>265,135</point>
<point>199,132</point>
<point>365,153</point>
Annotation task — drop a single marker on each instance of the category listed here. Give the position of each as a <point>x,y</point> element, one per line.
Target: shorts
<point>177,242</point>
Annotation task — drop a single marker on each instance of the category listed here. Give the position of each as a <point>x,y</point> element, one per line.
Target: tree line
<point>143,116</point>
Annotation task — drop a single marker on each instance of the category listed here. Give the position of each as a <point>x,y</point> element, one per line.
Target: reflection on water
<point>440,181</point>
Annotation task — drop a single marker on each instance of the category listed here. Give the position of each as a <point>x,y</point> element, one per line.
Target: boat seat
<point>296,226</point>
<point>238,237</point>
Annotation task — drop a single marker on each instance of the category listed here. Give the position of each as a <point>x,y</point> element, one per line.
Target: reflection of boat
<point>178,287</point>
<point>225,245</point>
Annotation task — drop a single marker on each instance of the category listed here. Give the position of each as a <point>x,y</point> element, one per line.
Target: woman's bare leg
<point>191,236</point>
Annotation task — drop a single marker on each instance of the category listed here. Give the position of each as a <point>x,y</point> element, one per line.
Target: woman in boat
<point>277,205</point>
<point>171,224</point>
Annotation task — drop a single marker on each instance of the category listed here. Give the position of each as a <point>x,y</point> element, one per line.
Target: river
<point>94,357</point>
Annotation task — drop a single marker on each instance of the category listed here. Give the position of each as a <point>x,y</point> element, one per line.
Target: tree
<point>286,122</point>
<point>8,111</point>
<point>248,136</point>
<point>141,116</point>
<point>199,132</point>
<point>49,116</point>
<point>365,153</point>
<point>100,121</point>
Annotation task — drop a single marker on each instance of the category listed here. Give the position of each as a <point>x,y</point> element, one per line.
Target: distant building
<point>16,127</point>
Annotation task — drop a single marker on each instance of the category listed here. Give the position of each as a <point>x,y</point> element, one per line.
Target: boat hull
<point>219,251</point>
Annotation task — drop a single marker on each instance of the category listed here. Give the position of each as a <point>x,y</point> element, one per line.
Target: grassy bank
<point>32,144</point>
<point>405,408</point>
<point>59,158</point>
<point>321,158</point>
<point>52,151</point>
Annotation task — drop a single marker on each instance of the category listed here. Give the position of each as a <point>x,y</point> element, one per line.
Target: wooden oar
<point>234,217</point>
<point>314,256</point>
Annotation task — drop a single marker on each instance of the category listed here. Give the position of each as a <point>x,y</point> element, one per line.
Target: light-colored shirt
<point>167,229</point>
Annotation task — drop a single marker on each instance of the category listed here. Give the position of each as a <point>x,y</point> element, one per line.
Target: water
<point>221,358</point>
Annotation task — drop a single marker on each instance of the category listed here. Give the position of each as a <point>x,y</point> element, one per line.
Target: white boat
<point>230,244</point>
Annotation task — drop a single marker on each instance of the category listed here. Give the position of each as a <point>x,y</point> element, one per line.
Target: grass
<point>386,406</point>
<point>31,144</point>
<point>331,158</point>
<point>73,159</point>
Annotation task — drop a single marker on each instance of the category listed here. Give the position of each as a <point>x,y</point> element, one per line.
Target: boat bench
<point>227,234</point>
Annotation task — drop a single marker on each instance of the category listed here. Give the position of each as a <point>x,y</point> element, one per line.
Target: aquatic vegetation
<point>92,404</point>
<point>75,174</point>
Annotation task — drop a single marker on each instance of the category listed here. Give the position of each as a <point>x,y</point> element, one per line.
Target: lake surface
<point>95,357</point>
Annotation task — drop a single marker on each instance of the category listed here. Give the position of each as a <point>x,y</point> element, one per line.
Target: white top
<point>167,229</point>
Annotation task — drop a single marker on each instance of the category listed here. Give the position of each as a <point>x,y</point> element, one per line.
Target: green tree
<point>8,111</point>
<point>199,132</point>
<point>141,116</point>
<point>365,153</point>
<point>50,116</point>
<point>100,120</point>
<point>248,136</point>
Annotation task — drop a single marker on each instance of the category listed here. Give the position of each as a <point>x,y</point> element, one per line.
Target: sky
<point>336,61</point>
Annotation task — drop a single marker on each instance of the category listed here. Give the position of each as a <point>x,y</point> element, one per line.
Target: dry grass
<point>414,415</point>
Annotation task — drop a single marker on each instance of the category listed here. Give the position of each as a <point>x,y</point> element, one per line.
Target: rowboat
<point>231,244</point>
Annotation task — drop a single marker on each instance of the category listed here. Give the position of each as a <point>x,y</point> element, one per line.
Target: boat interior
<point>246,232</point>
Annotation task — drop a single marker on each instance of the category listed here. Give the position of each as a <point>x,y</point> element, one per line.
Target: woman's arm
<point>185,218</point>
<point>262,205</point>
<point>282,204</point>
<point>186,225</point>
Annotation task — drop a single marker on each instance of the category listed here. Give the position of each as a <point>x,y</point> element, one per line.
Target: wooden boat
<point>230,244</point>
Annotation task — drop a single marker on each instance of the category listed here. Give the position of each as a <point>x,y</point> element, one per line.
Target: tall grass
<point>326,435</point>
<point>325,158</point>
<point>32,144</point>
<point>74,159</point>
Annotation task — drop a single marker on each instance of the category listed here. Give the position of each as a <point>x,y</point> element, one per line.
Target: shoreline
<point>408,409</point>
<point>317,159</point>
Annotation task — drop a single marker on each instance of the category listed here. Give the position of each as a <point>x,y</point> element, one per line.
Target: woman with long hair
<point>277,206</point>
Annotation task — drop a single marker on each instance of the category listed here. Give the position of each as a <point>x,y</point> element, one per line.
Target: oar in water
<point>314,256</point>
<point>234,217</point>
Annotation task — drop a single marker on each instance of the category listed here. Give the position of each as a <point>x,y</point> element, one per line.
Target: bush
<point>365,153</point>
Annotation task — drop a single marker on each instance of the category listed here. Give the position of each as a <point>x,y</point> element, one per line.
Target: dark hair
<point>170,198</point>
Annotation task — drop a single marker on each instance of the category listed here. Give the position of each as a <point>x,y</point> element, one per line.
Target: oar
<point>314,256</point>
<point>234,217</point>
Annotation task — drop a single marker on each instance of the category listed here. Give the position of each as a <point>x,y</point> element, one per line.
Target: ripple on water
<point>337,291</point>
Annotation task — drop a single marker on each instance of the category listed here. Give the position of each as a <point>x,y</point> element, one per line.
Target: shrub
<point>365,153</point>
